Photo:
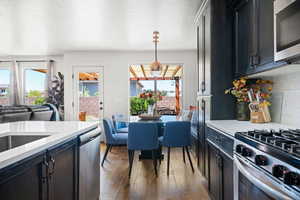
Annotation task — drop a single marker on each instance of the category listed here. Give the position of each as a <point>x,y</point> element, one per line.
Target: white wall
<point>116,75</point>
<point>285,106</point>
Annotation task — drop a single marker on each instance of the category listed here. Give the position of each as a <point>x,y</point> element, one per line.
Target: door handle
<point>266,184</point>
<point>51,170</point>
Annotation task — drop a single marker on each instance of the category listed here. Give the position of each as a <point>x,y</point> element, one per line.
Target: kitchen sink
<point>12,141</point>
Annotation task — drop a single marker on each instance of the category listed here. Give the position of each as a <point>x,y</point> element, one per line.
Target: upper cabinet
<point>254,36</point>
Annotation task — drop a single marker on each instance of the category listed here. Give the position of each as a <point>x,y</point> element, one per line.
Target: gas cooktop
<point>284,144</point>
<point>285,140</point>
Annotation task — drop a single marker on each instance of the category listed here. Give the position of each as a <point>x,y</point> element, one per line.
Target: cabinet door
<point>244,36</point>
<point>227,177</point>
<point>214,172</point>
<point>24,180</point>
<point>265,31</point>
<point>63,171</point>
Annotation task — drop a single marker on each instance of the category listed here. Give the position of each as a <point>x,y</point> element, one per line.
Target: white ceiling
<point>54,26</point>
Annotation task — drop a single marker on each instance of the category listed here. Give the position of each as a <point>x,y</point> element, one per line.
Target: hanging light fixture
<point>155,66</point>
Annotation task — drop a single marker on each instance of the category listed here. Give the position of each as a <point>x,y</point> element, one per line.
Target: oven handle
<point>269,187</point>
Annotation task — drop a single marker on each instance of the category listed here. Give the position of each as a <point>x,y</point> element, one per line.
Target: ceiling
<point>53,26</point>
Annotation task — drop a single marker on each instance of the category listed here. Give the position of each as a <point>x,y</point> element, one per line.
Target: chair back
<point>177,134</point>
<point>117,121</point>
<point>109,130</point>
<point>142,136</point>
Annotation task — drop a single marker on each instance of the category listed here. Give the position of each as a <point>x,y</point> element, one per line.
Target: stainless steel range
<point>267,164</point>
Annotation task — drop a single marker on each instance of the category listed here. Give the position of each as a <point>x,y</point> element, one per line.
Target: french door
<point>88,93</point>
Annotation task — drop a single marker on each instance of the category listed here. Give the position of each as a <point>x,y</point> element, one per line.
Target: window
<point>34,83</point>
<point>5,84</point>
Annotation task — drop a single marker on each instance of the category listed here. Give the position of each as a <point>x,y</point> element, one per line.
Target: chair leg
<point>160,155</point>
<point>183,153</point>
<point>110,149</point>
<point>168,169</point>
<point>108,146</point>
<point>188,153</point>
<point>131,158</point>
<point>154,161</point>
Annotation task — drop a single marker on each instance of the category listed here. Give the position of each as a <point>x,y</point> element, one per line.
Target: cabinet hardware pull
<point>51,170</point>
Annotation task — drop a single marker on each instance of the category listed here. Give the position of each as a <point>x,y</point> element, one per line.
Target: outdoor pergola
<point>168,72</point>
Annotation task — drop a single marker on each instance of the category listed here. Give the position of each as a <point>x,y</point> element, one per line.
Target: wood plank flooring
<point>181,184</point>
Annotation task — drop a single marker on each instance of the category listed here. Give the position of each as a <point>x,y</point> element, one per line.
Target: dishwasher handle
<point>87,137</point>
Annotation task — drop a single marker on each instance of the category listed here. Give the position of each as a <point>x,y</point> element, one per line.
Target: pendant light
<point>155,66</point>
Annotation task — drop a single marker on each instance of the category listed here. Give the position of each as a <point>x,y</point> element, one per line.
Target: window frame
<point>8,66</point>
<point>27,66</point>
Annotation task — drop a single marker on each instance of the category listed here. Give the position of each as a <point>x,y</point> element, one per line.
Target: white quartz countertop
<point>58,132</point>
<point>230,127</point>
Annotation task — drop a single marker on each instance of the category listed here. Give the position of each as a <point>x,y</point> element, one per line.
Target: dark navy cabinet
<point>215,68</point>
<point>254,36</point>
<point>24,180</point>
<point>220,165</point>
<point>49,175</point>
<point>62,174</point>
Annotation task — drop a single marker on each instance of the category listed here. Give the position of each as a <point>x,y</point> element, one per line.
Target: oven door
<point>287,29</point>
<point>252,183</point>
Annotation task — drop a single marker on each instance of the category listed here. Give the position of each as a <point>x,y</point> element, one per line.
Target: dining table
<point>147,154</point>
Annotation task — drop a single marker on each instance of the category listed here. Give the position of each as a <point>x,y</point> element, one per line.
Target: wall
<point>116,75</point>
<point>285,106</point>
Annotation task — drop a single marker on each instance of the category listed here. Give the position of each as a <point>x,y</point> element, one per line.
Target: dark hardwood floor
<point>181,184</point>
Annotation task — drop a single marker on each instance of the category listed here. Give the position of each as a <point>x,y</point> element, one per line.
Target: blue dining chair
<point>112,139</point>
<point>177,134</point>
<point>120,125</point>
<point>142,136</point>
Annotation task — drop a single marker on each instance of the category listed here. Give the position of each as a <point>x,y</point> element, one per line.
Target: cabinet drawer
<point>222,141</point>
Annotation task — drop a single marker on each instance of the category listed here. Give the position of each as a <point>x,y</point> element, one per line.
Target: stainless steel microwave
<point>286,29</point>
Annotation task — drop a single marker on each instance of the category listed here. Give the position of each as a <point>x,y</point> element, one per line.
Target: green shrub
<point>138,105</point>
<point>39,99</point>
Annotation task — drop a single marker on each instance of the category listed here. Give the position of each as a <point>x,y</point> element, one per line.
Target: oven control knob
<point>279,170</point>
<point>261,160</point>
<point>239,148</point>
<point>291,178</point>
<point>246,152</point>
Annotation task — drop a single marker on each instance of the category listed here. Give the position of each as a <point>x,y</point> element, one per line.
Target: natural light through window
<point>4,86</point>
<point>35,86</point>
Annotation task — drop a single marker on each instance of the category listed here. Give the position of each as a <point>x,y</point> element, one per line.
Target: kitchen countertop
<point>230,127</point>
<point>58,132</point>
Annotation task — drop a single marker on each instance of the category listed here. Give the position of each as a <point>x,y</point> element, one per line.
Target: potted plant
<point>56,93</point>
<point>240,90</point>
<point>151,98</point>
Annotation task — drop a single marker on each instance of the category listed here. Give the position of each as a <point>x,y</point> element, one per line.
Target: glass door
<point>88,93</point>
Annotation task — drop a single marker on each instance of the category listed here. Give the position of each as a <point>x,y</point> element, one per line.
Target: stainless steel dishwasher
<point>89,165</point>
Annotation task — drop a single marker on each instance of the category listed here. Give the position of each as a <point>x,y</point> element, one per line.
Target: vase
<point>150,110</point>
<point>242,111</point>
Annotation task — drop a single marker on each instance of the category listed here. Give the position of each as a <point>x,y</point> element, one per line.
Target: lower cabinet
<point>24,180</point>
<point>63,171</point>
<point>215,173</point>
<point>49,175</point>
<point>220,166</point>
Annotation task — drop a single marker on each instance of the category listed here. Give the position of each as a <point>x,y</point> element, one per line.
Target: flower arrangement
<point>261,88</point>
<point>150,97</point>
